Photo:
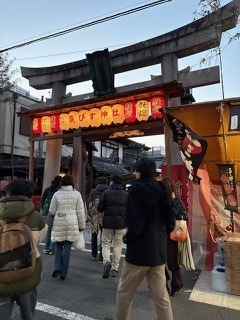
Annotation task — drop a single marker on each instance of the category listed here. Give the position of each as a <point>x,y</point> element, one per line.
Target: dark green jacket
<point>14,208</point>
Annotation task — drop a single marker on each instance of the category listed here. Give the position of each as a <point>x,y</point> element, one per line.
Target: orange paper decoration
<point>64,121</point>
<point>130,111</point>
<point>55,127</point>
<point>74,120</point>
<point>84,118</point>
<point>106,115</point>
<point>95,117</point>
<point>37,125</point>
<point>156,103</point>
<point>142,110</point>
<point>46,124</point>
<point>118,113</point>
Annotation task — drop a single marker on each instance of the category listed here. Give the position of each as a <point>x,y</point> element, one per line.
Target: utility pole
<point>15,97</point>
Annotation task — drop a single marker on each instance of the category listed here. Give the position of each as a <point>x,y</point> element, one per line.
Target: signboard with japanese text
<point>180,180</point>
<point>228,184</point>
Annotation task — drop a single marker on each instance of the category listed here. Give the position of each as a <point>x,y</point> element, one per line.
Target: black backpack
<point>46,204</point>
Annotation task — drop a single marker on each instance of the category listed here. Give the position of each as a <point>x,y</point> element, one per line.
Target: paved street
<point>84,295</point>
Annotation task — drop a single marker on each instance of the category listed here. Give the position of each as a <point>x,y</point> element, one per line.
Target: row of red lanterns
<point>95,117</point>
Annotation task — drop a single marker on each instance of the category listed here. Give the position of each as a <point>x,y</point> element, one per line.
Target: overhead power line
<point>86,25</point>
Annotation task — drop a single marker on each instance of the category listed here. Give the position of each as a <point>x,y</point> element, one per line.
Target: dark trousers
<point>173,266</point>
<point>94,245</point>
<point>27,303</point>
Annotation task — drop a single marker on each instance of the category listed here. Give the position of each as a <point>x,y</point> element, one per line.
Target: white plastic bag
<point>79,244</point>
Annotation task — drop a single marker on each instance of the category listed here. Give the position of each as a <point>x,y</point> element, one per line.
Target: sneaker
<point>94,258</point>
<point>46,251</point>
<point>51,252</point>
<point>113,273</point>
<point>107,268</point>
<point>100,258</point>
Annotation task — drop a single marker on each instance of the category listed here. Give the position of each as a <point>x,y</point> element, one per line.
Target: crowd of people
<point>140,216</point>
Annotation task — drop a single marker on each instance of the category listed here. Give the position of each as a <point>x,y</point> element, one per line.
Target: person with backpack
<point>20,263</point>
<point>96,217</point>
<point>46,200</point>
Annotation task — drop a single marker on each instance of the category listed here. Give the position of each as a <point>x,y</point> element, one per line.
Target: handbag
<point>185,257</point>
<point>49,220</point>
<point>79,244</point>
<point>180,231</point>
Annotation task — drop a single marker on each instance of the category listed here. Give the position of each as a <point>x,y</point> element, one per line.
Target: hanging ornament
<point>74,120</point>
<point>229,228</point>
<point>84,118</point>
<point>156,103</point>
<point>130,112</point>
<point>64,121</point>
<point>37,125</point>
<point>142,110</point>
<point>106,115</point>
<point>55,123</point>
<point>46,124</point>
<point>118,113</point>
<point>95,117</point>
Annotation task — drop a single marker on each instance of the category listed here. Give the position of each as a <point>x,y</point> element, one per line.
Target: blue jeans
<point>49,245</point>
<point>27,303</point>
<point>62,257</point>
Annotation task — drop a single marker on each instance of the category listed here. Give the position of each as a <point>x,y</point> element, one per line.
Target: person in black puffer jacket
<point>113,203</point>
<point>149,220</point>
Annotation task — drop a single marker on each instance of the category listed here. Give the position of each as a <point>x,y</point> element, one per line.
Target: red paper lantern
<point>37,125</point>
<point>157,103</point>
<point>84,118</point>
<point>130,111</point>
<point>55,125</point>
<point>142,110</point>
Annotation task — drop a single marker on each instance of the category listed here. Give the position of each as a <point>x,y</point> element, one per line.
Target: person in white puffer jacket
<point>68,209</point>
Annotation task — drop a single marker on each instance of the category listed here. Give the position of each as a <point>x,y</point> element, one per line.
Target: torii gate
<point>198,36</point>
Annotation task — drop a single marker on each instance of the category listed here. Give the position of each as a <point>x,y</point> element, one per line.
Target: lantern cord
<point>220,108</point>
<point>87,25</point>
<point>221,70</point>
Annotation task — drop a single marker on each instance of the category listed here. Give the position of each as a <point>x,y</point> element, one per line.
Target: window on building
<point>109,149</point>
<point>25,124</point>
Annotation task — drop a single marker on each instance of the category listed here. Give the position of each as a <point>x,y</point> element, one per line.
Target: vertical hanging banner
<point>234,120</point>
<point>228,184</point>
<point>191,146</point>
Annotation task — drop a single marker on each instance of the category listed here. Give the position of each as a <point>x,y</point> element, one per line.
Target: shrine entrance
<point>129,114</point>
